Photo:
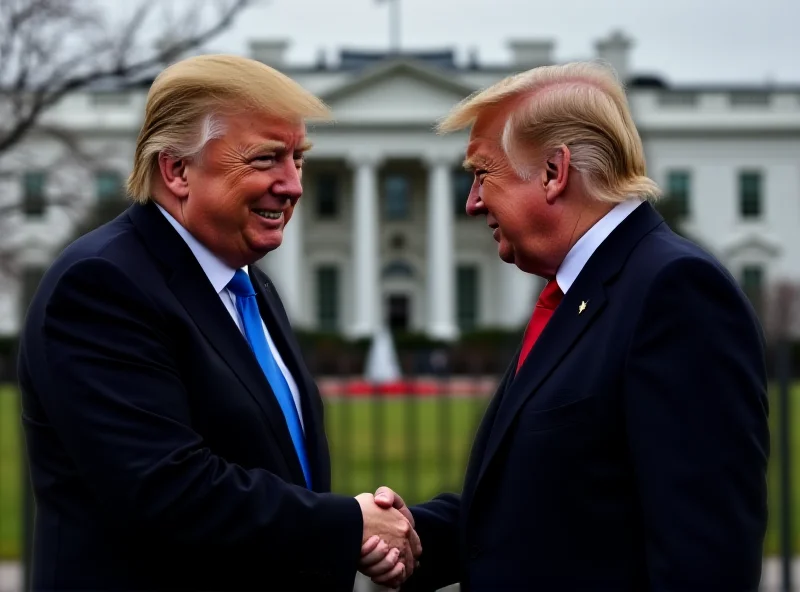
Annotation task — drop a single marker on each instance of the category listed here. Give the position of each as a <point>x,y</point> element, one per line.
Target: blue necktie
<point>247,306</point>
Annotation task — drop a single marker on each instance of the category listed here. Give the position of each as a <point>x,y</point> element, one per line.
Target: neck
<point>589,214</point>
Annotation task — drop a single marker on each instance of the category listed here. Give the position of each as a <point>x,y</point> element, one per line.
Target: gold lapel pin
<point>582,307</point>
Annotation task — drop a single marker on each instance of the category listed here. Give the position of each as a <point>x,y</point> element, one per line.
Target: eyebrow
<point>276,146</point>
<point>473,162</point>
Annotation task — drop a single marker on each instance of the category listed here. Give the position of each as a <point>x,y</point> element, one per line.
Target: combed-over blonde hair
<point>189,100</point>
<point>581,105</point>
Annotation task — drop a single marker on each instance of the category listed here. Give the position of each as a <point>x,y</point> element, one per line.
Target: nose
<point>288,182</point>
<point>475,205</point>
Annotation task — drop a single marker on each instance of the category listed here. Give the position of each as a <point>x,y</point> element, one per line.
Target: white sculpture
<point>382,366</point>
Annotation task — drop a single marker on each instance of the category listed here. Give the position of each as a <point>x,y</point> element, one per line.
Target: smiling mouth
<point>269,214</point>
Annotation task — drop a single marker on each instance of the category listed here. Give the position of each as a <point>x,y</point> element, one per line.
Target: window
<point>109,186</point>
<point>677,99</point>
<point>750,194</point>
<point>753,285</point>
<point>327,195</point>
<point>33,193</point>
<point>328,298</point>
<point>467,297</point>
<point>398,269</point>
<point>397,197</point>
<point>678,190</point>
<point>462,184</point>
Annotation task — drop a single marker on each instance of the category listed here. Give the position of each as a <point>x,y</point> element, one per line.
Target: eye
<point>480,174</point>
<point>299,160</point>
<point>264,159</point>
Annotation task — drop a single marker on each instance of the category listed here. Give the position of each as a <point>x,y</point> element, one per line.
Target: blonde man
<point>175,436</point>
<point>626,447</point>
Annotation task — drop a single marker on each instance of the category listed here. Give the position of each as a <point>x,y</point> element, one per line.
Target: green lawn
<point>10,498</point>
<point>419,448</point>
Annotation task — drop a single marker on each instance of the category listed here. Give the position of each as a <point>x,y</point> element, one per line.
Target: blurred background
<point>405,313</point>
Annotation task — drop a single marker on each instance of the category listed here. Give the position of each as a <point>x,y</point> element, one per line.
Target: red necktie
<point>547,303</point>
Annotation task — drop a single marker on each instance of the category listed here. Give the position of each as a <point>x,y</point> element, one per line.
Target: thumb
<point>384,497</point>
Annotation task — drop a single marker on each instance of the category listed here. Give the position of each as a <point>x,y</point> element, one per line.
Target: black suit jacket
<point>158,453</point>
<point>630,452</point>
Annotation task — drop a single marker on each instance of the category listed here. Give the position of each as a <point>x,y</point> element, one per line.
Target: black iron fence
<point>414,435</point>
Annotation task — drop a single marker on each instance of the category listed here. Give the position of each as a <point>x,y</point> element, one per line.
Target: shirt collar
<point>218,272</point>
<point>581,251</point>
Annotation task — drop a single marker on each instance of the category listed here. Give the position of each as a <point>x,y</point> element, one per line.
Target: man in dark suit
<point>175,437</point>
<point>626,447</point>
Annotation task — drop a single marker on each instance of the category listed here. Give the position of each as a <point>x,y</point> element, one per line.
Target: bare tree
<point>52,48</point>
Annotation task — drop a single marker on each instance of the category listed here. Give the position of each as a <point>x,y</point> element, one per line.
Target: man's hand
<point>390,544</point>
<point>386,498</point>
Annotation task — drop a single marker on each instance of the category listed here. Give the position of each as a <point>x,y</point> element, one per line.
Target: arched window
<point>398,269</point>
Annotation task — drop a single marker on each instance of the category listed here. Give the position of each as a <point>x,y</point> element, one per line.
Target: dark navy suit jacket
<point>159,455</point>
<point>630,452</point>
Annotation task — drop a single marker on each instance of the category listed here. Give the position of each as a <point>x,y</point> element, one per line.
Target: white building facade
<point>381,235</point>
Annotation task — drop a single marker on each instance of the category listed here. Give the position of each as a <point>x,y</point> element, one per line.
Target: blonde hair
<point>188,101</point>
<point>581,105</point>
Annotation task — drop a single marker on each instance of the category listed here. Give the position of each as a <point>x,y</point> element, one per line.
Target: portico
<point>382,238</point>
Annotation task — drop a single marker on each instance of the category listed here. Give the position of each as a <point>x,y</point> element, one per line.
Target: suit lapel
<point>191,286</point>
<point>559,335</point>
<point>568,323</point>
<point>280,331</point>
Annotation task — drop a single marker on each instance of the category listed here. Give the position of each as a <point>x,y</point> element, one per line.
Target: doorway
<point>398,312</point>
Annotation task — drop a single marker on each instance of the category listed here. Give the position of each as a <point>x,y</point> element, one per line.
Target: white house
<point>381,234</point>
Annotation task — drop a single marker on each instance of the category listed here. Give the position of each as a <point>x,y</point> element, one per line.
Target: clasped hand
<point>390,546</point>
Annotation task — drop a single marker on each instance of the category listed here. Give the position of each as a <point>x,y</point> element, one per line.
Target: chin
<point>505,253</point>
<point>267,242</point>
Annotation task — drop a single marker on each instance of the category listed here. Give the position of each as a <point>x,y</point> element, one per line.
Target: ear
<point>173,173</point>
<point>556,174</point>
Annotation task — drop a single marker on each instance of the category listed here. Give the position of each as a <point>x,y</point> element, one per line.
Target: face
<point>238,198</point>
<point>526,217</point>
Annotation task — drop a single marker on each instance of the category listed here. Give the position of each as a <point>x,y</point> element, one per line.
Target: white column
<point>285,267</point>
<point>441,270</point>
<point>365,246</point>
<point>518,294</point>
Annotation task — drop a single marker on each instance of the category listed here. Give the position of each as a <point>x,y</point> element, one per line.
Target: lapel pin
<point>582,307</point>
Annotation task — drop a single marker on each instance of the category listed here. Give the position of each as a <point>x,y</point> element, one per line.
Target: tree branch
<point>52,48</point>
<point>52,90</point>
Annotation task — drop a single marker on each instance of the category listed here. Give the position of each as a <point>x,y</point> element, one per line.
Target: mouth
<point>268,214</point>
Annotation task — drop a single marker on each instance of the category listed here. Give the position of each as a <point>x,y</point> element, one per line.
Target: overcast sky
<point>684,40</point>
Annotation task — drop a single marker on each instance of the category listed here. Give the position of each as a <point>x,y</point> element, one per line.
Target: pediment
<point>754,245</point>
<point>398,91</point>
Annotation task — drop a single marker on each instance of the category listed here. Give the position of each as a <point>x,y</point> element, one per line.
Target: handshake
<point>390,544</point>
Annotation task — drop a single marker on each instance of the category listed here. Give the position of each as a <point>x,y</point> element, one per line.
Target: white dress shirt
<point>581,251</point>
<point>220,274</point>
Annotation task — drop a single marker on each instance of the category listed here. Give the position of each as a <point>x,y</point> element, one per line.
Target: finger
<point>416,544</point>
<point>407,559</point>
<point>385,497</point>
<point>397,572</point>
<point>383,566</point>
<point>376,555</point>
<point>397,582</point>
<point>390,496</point>
<point>369,545</point>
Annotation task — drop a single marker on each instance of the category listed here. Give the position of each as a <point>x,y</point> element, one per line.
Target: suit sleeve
<point>436,523</point>
<point>117,402</point>
<point>696,411</point>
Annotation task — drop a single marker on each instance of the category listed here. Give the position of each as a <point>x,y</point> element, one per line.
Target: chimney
<point>614,51</point>
<point>271,53</point>
<point>529,53</point>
